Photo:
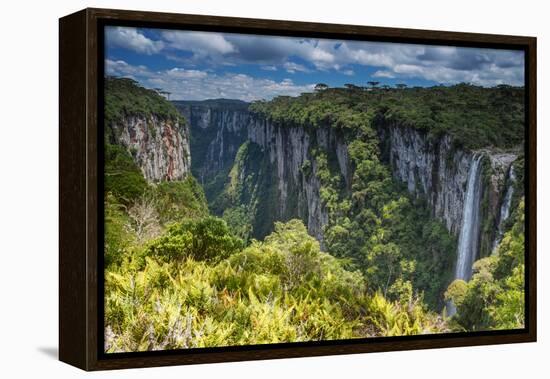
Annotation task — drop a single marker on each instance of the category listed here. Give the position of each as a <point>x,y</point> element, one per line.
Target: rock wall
<point>505,209</point>
<point>437,169</point>
<point>218,129</point>
<point>431,168</point>
<point>159,146</point>
<point>290,152</point>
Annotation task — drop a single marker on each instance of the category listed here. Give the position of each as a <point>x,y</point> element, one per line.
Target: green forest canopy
<point>475,116</point>
<point>124,96</point>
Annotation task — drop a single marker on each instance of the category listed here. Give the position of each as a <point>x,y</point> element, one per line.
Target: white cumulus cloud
<point>292,67</point>
<point>184,84</point>
<point>200,43</point>
<point>131,38</point>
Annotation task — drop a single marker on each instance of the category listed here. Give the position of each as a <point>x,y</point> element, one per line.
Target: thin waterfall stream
<point>505,207</point>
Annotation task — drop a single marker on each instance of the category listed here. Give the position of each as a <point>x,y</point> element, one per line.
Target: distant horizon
<point>379,87</point>
<point>197,66</point>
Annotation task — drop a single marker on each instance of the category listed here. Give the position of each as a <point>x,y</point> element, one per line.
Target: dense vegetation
<point>249,199</point>
<point>283,289</point>
<point>375,224</point>
<point>389,235</point>
<point>178,277</point>
<point>475,116</point>
<point>123,97</point>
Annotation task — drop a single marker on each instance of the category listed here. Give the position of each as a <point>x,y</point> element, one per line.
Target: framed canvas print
<point>237,189</point>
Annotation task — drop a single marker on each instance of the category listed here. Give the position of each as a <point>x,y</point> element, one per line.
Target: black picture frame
<point>81,195</point>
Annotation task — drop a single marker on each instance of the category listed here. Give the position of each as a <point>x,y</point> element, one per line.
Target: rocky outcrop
<point>159,146</point>
<point>430,168</point>
<point>437,170</point>
<point>505,208</point>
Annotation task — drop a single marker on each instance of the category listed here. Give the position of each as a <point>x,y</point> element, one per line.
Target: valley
<point>342,213</point>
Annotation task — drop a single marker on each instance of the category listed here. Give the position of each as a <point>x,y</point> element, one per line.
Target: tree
<point>373,84</point>
<point>382,262</point>
<point>178,200</point>
<point>144,219</point>
<point>401,85</point>
<point>352,87</point>
<point>320,87</point>
<point>208,239</point>
<point>238,220</point>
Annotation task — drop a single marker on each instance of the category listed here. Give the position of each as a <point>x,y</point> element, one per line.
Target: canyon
<point>434,168</point>
<point>271,171</point>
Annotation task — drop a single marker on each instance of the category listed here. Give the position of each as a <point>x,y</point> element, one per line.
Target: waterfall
<point>505,207</point>
<point>468,241</point>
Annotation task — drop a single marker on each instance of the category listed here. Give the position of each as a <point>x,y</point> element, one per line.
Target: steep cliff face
<point>218,129</point>
<point>505,208</point>
<point>430,168</point>
<point>434,168</point>
<point>149,127</point>
<point>290,151</point>
<point>500,183</point>
<point>438,170</point>
<point>159,146</point>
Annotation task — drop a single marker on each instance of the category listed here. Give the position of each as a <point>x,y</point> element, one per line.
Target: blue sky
<point>205,65</point>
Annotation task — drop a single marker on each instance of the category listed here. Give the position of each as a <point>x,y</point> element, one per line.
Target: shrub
<point>205,239</point>
<point>245,298</point>
<point>179,200</point>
